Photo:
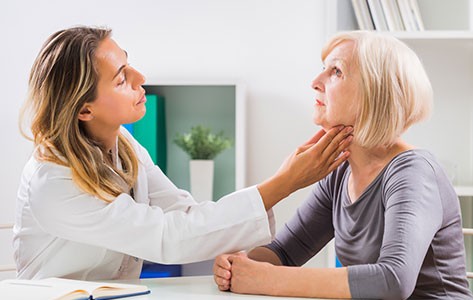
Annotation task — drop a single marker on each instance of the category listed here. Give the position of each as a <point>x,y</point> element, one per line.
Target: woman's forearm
<point>311,282</point>
<point>273,190</point>
<point>253,277</point>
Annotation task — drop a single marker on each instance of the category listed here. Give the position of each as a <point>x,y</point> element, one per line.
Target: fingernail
<point>340,127</point>
<point>348,129</point>
<point>350,138</point>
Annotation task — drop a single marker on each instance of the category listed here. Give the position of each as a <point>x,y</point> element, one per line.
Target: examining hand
<point>222,270</point>
<point>311,162</point>
<point>319,156</point>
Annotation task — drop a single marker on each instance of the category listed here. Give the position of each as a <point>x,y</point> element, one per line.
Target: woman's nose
<point>317,84</point>
<point>138,79</point>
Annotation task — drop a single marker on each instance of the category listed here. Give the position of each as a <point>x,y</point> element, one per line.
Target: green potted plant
<point>200,143</point>
<point>202,146</point>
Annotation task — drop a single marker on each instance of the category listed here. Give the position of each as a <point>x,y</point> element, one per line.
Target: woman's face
<point>337,94</point>
<point>120,96</point>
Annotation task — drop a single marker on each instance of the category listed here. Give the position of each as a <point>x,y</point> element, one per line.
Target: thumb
<point>233,258</point>
<point>315,138</point>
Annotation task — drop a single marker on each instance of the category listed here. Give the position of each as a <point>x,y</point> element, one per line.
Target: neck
<point>367,163</point>
<point>103,135</point>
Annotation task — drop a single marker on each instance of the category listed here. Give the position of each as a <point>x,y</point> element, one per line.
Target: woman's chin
<point>324,125</point>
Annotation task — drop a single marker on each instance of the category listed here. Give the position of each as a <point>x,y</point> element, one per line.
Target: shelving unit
<point>464,191</point>
<point>214,104</point>
<point>219,105</point>
<point>446,50</point>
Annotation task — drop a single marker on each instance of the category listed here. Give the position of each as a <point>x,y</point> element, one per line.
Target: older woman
<point>393,213</point>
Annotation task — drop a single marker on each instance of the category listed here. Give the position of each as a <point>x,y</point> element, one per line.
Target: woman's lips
<point>319,103</point>
<point>142,100</point>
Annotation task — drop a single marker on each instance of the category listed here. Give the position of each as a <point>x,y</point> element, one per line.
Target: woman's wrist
<point>274,190</point>
<point>272,277</point>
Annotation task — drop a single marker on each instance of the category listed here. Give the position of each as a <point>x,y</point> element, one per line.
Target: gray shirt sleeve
<point>413,214</point>
<point>309,230</point>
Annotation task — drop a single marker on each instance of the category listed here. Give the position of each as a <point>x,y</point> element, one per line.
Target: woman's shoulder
<point>415,167</point>
<point>413,159</point>
<point>40,180</point>
<point>36,169</point>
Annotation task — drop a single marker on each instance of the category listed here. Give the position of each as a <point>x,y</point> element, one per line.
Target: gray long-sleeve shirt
<point>401,239</point>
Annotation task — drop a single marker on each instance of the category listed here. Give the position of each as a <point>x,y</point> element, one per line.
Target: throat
<point>360,178</point>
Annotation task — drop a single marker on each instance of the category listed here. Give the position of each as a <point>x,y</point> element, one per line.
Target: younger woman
<point>91,203</point>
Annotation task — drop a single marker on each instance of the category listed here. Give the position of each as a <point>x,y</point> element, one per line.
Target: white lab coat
<point>60,231</point>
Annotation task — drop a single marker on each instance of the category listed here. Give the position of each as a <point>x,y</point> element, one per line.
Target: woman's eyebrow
<point>119,71</point>
<point>121,67</point>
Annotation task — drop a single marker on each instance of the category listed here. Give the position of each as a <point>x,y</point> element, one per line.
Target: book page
<point>29,289</point>
<point>65,289</point>
<point>98,289</point>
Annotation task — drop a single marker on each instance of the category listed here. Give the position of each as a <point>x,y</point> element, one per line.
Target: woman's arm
<point>176,236</point>
<point>252,277</point>
<point>308,164</point>
<point>222,265</point>
<point>299,240</point>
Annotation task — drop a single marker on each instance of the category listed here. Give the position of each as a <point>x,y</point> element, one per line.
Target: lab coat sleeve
<point>200,231</point>
<point>163,193</point>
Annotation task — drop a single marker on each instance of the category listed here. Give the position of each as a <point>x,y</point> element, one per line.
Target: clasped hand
<point>240,274</point>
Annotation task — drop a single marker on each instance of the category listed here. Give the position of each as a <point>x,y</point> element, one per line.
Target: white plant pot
<point>201,179</point>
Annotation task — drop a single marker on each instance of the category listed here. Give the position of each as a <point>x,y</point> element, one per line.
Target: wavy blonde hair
<point>63,78</point>
<point>395,89</point>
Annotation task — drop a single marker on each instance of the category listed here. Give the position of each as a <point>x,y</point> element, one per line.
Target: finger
<point>303,148</point>
<point>343,157</point>
<point>224,287</point>
<point>221,281</point>
<point>222,262</point>
<point>233,258</point>
<point>333,145</point>
<point>327,138</point>
<point>223,273</point>
<point>242,253</point>
<point>316,137</point>
<point>342,146</point>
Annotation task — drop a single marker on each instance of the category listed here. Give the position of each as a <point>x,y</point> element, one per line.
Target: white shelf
<point>433,35</point>
<point>464,191</point>
<point>6,226</point>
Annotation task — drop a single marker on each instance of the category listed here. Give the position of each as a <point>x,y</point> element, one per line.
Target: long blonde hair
<point>63,78</point>
<point>395,89</point>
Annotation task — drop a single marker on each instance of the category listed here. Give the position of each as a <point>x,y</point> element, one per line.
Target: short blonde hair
<point>394,88</point>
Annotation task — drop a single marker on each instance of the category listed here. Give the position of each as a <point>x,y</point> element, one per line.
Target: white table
<point>190,288</point>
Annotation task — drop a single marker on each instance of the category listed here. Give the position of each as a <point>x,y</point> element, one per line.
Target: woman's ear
<point>85,113</point>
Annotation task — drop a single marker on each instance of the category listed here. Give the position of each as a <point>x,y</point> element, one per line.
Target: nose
<point>138,79</point>
<point>317,83</point>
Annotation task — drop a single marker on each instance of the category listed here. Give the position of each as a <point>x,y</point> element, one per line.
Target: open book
<point>66,289</point>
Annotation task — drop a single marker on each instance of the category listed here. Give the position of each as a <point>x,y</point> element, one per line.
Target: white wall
<point>271,46</point>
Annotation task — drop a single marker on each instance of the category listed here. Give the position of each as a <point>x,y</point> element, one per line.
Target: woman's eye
<point>337,72</point>
<point>122,81</point>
